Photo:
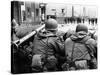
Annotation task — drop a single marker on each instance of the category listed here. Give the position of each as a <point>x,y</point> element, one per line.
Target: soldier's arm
<point>93,46</point>
<point>59,45</point>
<point>68,48</point>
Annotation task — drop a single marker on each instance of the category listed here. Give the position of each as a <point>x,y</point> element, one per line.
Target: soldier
<point>80,49</point>
<point>47,48</point>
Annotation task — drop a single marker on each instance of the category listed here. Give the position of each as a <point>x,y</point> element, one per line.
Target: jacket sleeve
<point>57,45</point>
<point>93,45</point>
<point>68,48</point>
<point>60,46</point>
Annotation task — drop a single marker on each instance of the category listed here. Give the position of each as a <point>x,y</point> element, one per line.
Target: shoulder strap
<point>83,42</point>
<point>46,45</point>
<point>90,51</point>
<point>46,52</point>
<point>72,51</point>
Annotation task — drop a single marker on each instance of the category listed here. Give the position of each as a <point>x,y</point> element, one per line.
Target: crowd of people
<point>75,50</point>
<point>80,20</point>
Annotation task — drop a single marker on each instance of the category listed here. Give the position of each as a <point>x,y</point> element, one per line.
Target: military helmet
<point>81,27</point>
<point>51,24</point>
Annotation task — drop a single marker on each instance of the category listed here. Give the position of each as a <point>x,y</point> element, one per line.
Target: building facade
<point>27,12</point>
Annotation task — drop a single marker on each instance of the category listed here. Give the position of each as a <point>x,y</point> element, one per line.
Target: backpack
<point>79,51</point>
<point>82,56</point>
<point>48,61</point>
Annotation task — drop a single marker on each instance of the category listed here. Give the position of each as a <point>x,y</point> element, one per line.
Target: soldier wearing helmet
<point>51,25</point>
<point>48,46</point>
<point>80,49</point>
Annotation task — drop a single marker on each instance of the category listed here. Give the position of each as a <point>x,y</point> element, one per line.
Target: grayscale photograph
<point>53,37</point>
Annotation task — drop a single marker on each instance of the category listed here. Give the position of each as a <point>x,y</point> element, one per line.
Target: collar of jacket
<point>46,34</point>
<point>78,36</point>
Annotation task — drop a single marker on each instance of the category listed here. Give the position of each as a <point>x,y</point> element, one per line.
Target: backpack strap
<point>46,45</point>
<point>72,51</point>
<point>93,60</point>
<point>70,63</point>
<point>44,59</point>
<point>84,40</point>
<point>90,51</point>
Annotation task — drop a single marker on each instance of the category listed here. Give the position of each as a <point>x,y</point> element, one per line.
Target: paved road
<point>24,30</point>
<point>66,27</point>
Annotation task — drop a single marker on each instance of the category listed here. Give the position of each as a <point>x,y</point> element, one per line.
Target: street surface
<point>23,30</point>
<point>66,27</point>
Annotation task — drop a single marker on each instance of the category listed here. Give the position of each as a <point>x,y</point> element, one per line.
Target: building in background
<point>16,11</point>
<point>28,12</point>
<point>33,13</point>
<point>72,13</point>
